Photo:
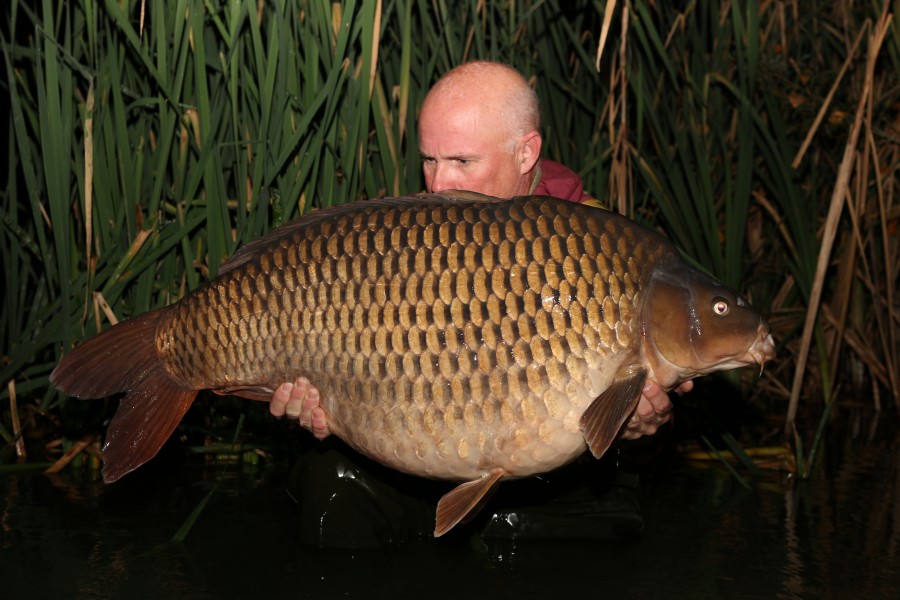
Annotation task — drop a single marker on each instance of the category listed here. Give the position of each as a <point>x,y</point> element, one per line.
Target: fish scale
<point>458,337</point>
<point>488,299</point>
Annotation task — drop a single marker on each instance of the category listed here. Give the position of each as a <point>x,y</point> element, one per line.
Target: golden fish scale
<point>446,339</point>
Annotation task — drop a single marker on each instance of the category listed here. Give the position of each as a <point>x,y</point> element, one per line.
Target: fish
<point>452,336</point>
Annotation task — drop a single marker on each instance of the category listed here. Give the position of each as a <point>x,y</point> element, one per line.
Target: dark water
<point>705,536</point>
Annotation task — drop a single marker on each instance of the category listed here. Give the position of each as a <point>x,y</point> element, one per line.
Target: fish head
<point>693,324</point>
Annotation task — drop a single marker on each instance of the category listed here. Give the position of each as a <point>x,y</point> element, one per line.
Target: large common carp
<point>457,337</point>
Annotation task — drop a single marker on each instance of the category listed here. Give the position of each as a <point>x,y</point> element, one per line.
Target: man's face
<point>462,148</point>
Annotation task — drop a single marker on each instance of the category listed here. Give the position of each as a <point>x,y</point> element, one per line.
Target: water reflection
<point>705,536</point>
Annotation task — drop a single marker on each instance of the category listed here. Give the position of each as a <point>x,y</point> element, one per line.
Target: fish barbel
<point>457,337</point>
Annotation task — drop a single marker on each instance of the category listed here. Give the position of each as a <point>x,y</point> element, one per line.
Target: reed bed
<point>148,139</point>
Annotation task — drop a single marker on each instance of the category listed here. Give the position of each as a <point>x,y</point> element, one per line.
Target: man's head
<point>478,131</point>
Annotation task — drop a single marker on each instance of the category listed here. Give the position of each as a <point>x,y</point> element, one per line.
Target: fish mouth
<point>763,349</point>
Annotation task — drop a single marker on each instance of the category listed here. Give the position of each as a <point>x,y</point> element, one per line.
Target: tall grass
<point>149,139</point>
<point>723,145</point>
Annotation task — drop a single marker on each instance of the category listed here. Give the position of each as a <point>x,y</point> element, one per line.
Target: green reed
<point>722,144</point>
<point>141,155</point>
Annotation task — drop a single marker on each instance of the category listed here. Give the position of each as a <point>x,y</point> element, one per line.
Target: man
<point>478,131</point>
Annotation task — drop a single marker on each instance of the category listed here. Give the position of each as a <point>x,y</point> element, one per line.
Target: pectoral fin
<point>465,500</point>
<point>601,422</point>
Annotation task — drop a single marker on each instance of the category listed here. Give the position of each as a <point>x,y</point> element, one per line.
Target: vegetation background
<point>148,139</point>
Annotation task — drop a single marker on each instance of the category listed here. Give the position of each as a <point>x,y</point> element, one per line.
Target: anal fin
<point>601,422</point>
<point>251,392</point>
<point>464,501</point>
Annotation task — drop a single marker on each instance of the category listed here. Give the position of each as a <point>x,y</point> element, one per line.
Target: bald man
<point>479,131</point>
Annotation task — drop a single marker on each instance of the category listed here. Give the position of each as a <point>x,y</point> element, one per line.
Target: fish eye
<point>720,306</point>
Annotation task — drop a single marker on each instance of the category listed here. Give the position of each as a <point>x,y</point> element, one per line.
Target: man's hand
<point>300,400</point>
<point>653,410</point>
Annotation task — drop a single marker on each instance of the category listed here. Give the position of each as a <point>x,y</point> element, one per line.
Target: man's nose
<point>437,180</point>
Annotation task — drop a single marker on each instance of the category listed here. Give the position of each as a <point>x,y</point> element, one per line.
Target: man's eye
<point>462,162</point>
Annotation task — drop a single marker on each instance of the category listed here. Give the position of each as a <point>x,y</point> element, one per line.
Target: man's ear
<point>529,151</point>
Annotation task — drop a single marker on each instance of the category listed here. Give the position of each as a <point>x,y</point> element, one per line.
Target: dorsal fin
<point>601,422</point>
<point>464,501</point>
<point>249,250</point>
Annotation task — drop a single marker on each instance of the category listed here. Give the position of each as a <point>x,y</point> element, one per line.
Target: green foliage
<point>706,139</point>
<point>728,98</point>
<point>148,139</point>
<point>210,123</point>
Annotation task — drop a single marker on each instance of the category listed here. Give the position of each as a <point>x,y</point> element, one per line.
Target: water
<point>705,536</point>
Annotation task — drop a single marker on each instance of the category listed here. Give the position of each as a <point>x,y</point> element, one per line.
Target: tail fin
<point>124,359</point>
